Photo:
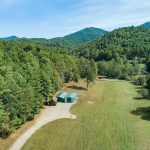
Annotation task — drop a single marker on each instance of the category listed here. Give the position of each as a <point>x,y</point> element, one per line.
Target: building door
<point>60,100</point>
<point>69,100</point>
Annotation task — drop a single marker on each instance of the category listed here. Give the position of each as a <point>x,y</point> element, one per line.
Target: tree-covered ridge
<point>10,38</point>
<point>93,32</point>
<point>31,74</point>
<point>68,42</point>
<point>145,25</point>
<point>45,42</point>
<point>128,41</point>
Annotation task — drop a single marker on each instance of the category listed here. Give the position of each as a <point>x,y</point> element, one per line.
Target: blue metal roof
<point>62,95</point>
<point>72,95</point>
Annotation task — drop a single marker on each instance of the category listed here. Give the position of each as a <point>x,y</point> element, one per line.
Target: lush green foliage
<point>129,41</point>
<point>144,82</point>
<point>90,70</point>
<point>144,92</point>
<point>45,42</point>
<point>29,75</point>
<point>118,68</point>
<point>92,33</point>
<point>70,41</point>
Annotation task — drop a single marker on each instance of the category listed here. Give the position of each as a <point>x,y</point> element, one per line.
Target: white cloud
<point>73,31</point>
<point>110,14</point>
<point>105,14</point>
<point>135,3</point>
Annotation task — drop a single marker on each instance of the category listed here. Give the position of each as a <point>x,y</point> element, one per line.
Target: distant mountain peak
<point>89,30</point>
<point>13,37</point>
<point>145,25</point>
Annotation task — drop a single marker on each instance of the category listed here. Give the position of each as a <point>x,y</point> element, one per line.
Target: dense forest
<point>30,75</point>
<point>46,42</point>
<point>129,41</point>
<point>70,41</point>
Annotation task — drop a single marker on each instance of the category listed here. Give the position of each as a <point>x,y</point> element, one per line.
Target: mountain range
<point>69,41</point>
<point>72,40</point>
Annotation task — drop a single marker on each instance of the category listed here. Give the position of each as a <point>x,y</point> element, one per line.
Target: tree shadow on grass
<point>141,98</point>
<point>144,112</point>
<point>77,88</point>
<point>138,87</point>
<point>138,98</point>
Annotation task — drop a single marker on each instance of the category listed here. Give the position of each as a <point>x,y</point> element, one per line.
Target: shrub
<point>125,77</point>
<point>141,80</point>
<point>144,93</point>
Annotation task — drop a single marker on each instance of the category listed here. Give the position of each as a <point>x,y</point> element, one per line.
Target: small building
<point>71,97</point>
<point>61,97</point>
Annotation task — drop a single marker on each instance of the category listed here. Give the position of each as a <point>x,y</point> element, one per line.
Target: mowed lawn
<point>107,124</point>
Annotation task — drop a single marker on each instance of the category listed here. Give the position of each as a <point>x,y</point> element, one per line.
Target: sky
<point>57,18</point>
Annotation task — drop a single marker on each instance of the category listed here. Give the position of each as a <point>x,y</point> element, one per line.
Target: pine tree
<point>3,119</point>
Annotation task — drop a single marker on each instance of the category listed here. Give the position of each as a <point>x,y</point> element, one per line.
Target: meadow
<point>106,124</point>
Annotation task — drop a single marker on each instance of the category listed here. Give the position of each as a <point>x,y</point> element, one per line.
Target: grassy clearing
<point>107,124</point>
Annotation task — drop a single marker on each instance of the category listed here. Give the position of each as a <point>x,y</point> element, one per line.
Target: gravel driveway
<point>61,110</point>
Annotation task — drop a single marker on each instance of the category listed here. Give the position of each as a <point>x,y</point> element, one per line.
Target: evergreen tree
<point>3,119</point>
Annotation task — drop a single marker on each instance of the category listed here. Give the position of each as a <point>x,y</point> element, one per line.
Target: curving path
<point>61,110</point>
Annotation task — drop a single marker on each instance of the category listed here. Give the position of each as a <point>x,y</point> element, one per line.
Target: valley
<point>112,111</point>
<point>75,75</point>
<point>105,124</point>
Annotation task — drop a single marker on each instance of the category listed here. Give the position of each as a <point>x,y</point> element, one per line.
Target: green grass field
<point>107,124</point>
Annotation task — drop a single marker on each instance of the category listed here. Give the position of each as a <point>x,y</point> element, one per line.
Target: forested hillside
<point>128,41</point>
<point>31,74</point>
<point>145,25</point>
<point>45,42</point>
<point>92,32</point>
<point>70,41</point>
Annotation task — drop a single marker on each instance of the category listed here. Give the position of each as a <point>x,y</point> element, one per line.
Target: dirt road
<point>61,110</point>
